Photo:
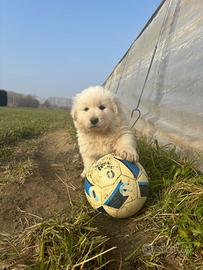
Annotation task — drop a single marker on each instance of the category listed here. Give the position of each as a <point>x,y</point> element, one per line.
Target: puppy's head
<point>95,110</point>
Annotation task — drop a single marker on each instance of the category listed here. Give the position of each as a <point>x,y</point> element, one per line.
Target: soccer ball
<point>116,187</point>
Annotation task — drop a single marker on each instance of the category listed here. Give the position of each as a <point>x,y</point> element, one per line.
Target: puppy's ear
<point>74,111</point>
<point>116,105</point>
<point>74,114</point>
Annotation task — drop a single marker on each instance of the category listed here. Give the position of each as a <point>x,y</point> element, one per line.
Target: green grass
<point>17,124</point>
<point>18,129</point>
<point>20,124</point>
<point>57,244</point>
<point>174,208</point>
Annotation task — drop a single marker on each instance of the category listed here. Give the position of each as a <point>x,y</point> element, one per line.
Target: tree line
<point>13,99</point>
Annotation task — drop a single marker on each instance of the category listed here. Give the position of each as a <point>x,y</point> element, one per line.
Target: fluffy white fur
<point>101,127</point>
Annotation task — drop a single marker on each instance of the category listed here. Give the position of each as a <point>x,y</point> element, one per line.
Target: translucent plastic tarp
<point>172,101</point>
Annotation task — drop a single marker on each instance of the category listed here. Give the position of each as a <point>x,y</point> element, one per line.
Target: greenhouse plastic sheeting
<point>172,100</point>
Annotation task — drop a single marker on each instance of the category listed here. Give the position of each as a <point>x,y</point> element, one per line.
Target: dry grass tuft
<point>56,244</point>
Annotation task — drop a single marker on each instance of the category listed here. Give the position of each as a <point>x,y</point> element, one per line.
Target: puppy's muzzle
<point>94,121</point>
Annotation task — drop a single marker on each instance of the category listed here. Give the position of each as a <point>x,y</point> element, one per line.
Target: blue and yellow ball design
<point>116,187</point>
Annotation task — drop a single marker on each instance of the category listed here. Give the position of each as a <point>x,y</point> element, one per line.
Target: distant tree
<point>28,101</point>
<point>3,98</point>
<point>36,103</point>
<point>46,104</point>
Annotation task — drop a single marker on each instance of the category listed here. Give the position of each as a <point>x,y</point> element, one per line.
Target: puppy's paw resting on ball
<point>128,154</point>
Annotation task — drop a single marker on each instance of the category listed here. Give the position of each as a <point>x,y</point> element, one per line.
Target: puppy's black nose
<point>94,120</point>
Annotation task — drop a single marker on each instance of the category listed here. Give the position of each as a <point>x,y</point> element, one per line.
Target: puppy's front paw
<point>129,154</point>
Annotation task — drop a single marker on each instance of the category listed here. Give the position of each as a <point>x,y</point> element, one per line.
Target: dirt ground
<point>55,189</point>
<point>51,189</point>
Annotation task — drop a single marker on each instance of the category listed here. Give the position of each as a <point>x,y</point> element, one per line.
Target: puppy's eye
<point>102,107</point>
<point>86,109</point>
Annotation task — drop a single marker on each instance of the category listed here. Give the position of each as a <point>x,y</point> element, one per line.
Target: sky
<point>59,47</point>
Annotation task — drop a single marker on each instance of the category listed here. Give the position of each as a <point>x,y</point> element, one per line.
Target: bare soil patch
<point>51,189</point>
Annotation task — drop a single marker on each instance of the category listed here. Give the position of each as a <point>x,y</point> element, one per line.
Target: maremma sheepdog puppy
<point>101,127</point>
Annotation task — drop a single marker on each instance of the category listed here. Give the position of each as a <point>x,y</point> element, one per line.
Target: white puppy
<point>101,127</point>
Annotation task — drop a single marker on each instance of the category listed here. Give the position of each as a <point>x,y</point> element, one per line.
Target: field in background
<point>18,124</point>
<point>167,233</point>
<point>24,123</point>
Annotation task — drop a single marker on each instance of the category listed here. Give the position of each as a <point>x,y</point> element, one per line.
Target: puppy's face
<point>94,110</point>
